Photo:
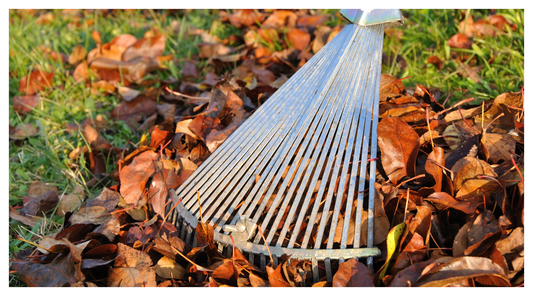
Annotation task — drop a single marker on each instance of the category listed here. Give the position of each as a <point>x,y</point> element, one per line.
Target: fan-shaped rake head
<point>301,169</point>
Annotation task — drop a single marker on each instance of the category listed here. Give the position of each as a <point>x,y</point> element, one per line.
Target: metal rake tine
<point>295,140</point>
<point>271,145</point>
<point>255,131</point>
<point>301,169</point>
<point>229,145</point>
<point>316,132</point>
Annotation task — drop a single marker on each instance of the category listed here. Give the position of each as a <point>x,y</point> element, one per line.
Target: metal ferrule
<point>366,17</point>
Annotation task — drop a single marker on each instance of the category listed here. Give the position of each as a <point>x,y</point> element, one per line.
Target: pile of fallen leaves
<point>450,184</point>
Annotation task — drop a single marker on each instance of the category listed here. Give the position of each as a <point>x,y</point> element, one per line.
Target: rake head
<point>301,169</point>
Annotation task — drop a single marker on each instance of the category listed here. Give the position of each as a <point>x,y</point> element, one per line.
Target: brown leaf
<point>246,17</point>
<point>139,107</point>
<point>150,47</point>
<point>399,147</point>
<point>512,249</point>
<point>467,27</point>
<point>58,273</point>
<point>408,276</point>
<point>275,277</point>
<point>129,257</point>
<point>171,246</point>
<point>443,198</point>
<point>77,56</point>
<point>500,21</point>
<point>483,245</point>
<point>484,28</point>
<point>127,93</point>
<point>390,86</point>
<point>131,277</point>
<point>81,72</point>
<point>400,111</point>
<point>469,181</point>
<point>413,252</point>
<point>116,48</point>
<point>298,39</point>
<point>162,181</point>
<point>126,71</point>
<point>226,273</point>
<point>321,38</point>
<point>102,87</point>
<point>460,41</point>
<point>436,158</point>
<point>264,76</point>
<point>308,21</point>
<point>502,104</point>
<point>23,131</point>
<point>460,242</point>
<point>108,199</point>
<point>169,269</point>
<point>24,104</point>
<point>40,205</point>
<point>110,228</point>
<point>72,201</point>
<point>256,281</point>
<point>500,147</point>
<point>189,70</point>
<point>94,139</point>
<point>89,215</point>
<point>38,188</point>
<point>352,273</point>
<point>468,72</point>
<point>28,220</point>
<point>462,268</point>
<point>35,82</point>
<point>279,19</point>
<point>204,235</point>
<point>134,176</point>
<point>484,224</point>
<point>435,61</point>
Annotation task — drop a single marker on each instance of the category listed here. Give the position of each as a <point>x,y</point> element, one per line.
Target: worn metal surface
<point>368,17</point>
<point>302,161</point>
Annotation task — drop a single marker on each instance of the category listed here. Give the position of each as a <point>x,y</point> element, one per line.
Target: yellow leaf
<point>392,244</point>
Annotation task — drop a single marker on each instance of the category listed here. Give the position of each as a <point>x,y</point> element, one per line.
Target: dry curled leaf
<point>462,268</point>
<point>399,147</point>
<point>35,81</point>
<point>352,273</point>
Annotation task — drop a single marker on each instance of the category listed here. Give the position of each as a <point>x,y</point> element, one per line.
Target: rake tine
<point>300,160</point>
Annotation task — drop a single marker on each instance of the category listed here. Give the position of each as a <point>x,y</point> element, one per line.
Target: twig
<point>518,169</point>
<point>406,204</point>
<point>466,122</point>
<point>455,105</point>
<point>268,249</point>
<point>186,96</point>
<point>429,128</point>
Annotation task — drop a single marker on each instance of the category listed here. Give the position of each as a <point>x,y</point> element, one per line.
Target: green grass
<point>426,33</point>
<point>45,157</point>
